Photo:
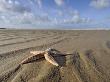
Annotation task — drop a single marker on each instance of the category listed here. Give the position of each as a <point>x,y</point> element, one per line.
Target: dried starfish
<point>40,54</point>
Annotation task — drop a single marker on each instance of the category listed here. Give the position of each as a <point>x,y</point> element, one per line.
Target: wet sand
<point>89,62</point>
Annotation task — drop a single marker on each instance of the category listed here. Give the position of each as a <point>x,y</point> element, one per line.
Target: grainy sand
<point>89,62</point>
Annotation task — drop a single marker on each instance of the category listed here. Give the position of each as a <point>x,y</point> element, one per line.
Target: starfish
<point>47,54</point>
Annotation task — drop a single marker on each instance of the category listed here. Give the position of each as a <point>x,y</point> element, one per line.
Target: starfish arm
<point>36,52</point>
<point>27,60</point>
<point>32,58</point>
<point>50,59</point>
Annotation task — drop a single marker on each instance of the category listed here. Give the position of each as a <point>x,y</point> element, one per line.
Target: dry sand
<point>89,62</point>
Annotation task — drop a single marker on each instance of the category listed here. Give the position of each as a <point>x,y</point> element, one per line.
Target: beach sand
<point>89,60</point>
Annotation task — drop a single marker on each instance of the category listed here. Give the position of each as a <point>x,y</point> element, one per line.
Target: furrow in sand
<point>9,38</point>
<point>17,41</point>
<point>14,48</point>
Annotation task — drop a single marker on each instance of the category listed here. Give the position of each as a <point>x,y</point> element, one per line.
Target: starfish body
<point>47,54</point>
<point>50,59</point>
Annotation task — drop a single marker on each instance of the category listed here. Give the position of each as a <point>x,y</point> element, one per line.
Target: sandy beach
<point>89,62</point>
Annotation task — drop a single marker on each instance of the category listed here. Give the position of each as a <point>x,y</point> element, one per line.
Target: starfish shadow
<point>60,59</point>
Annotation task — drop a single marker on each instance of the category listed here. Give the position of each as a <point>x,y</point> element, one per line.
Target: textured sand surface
<point>89,60</point>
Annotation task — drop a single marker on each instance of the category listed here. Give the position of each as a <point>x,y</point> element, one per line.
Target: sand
<point>89,60</point>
